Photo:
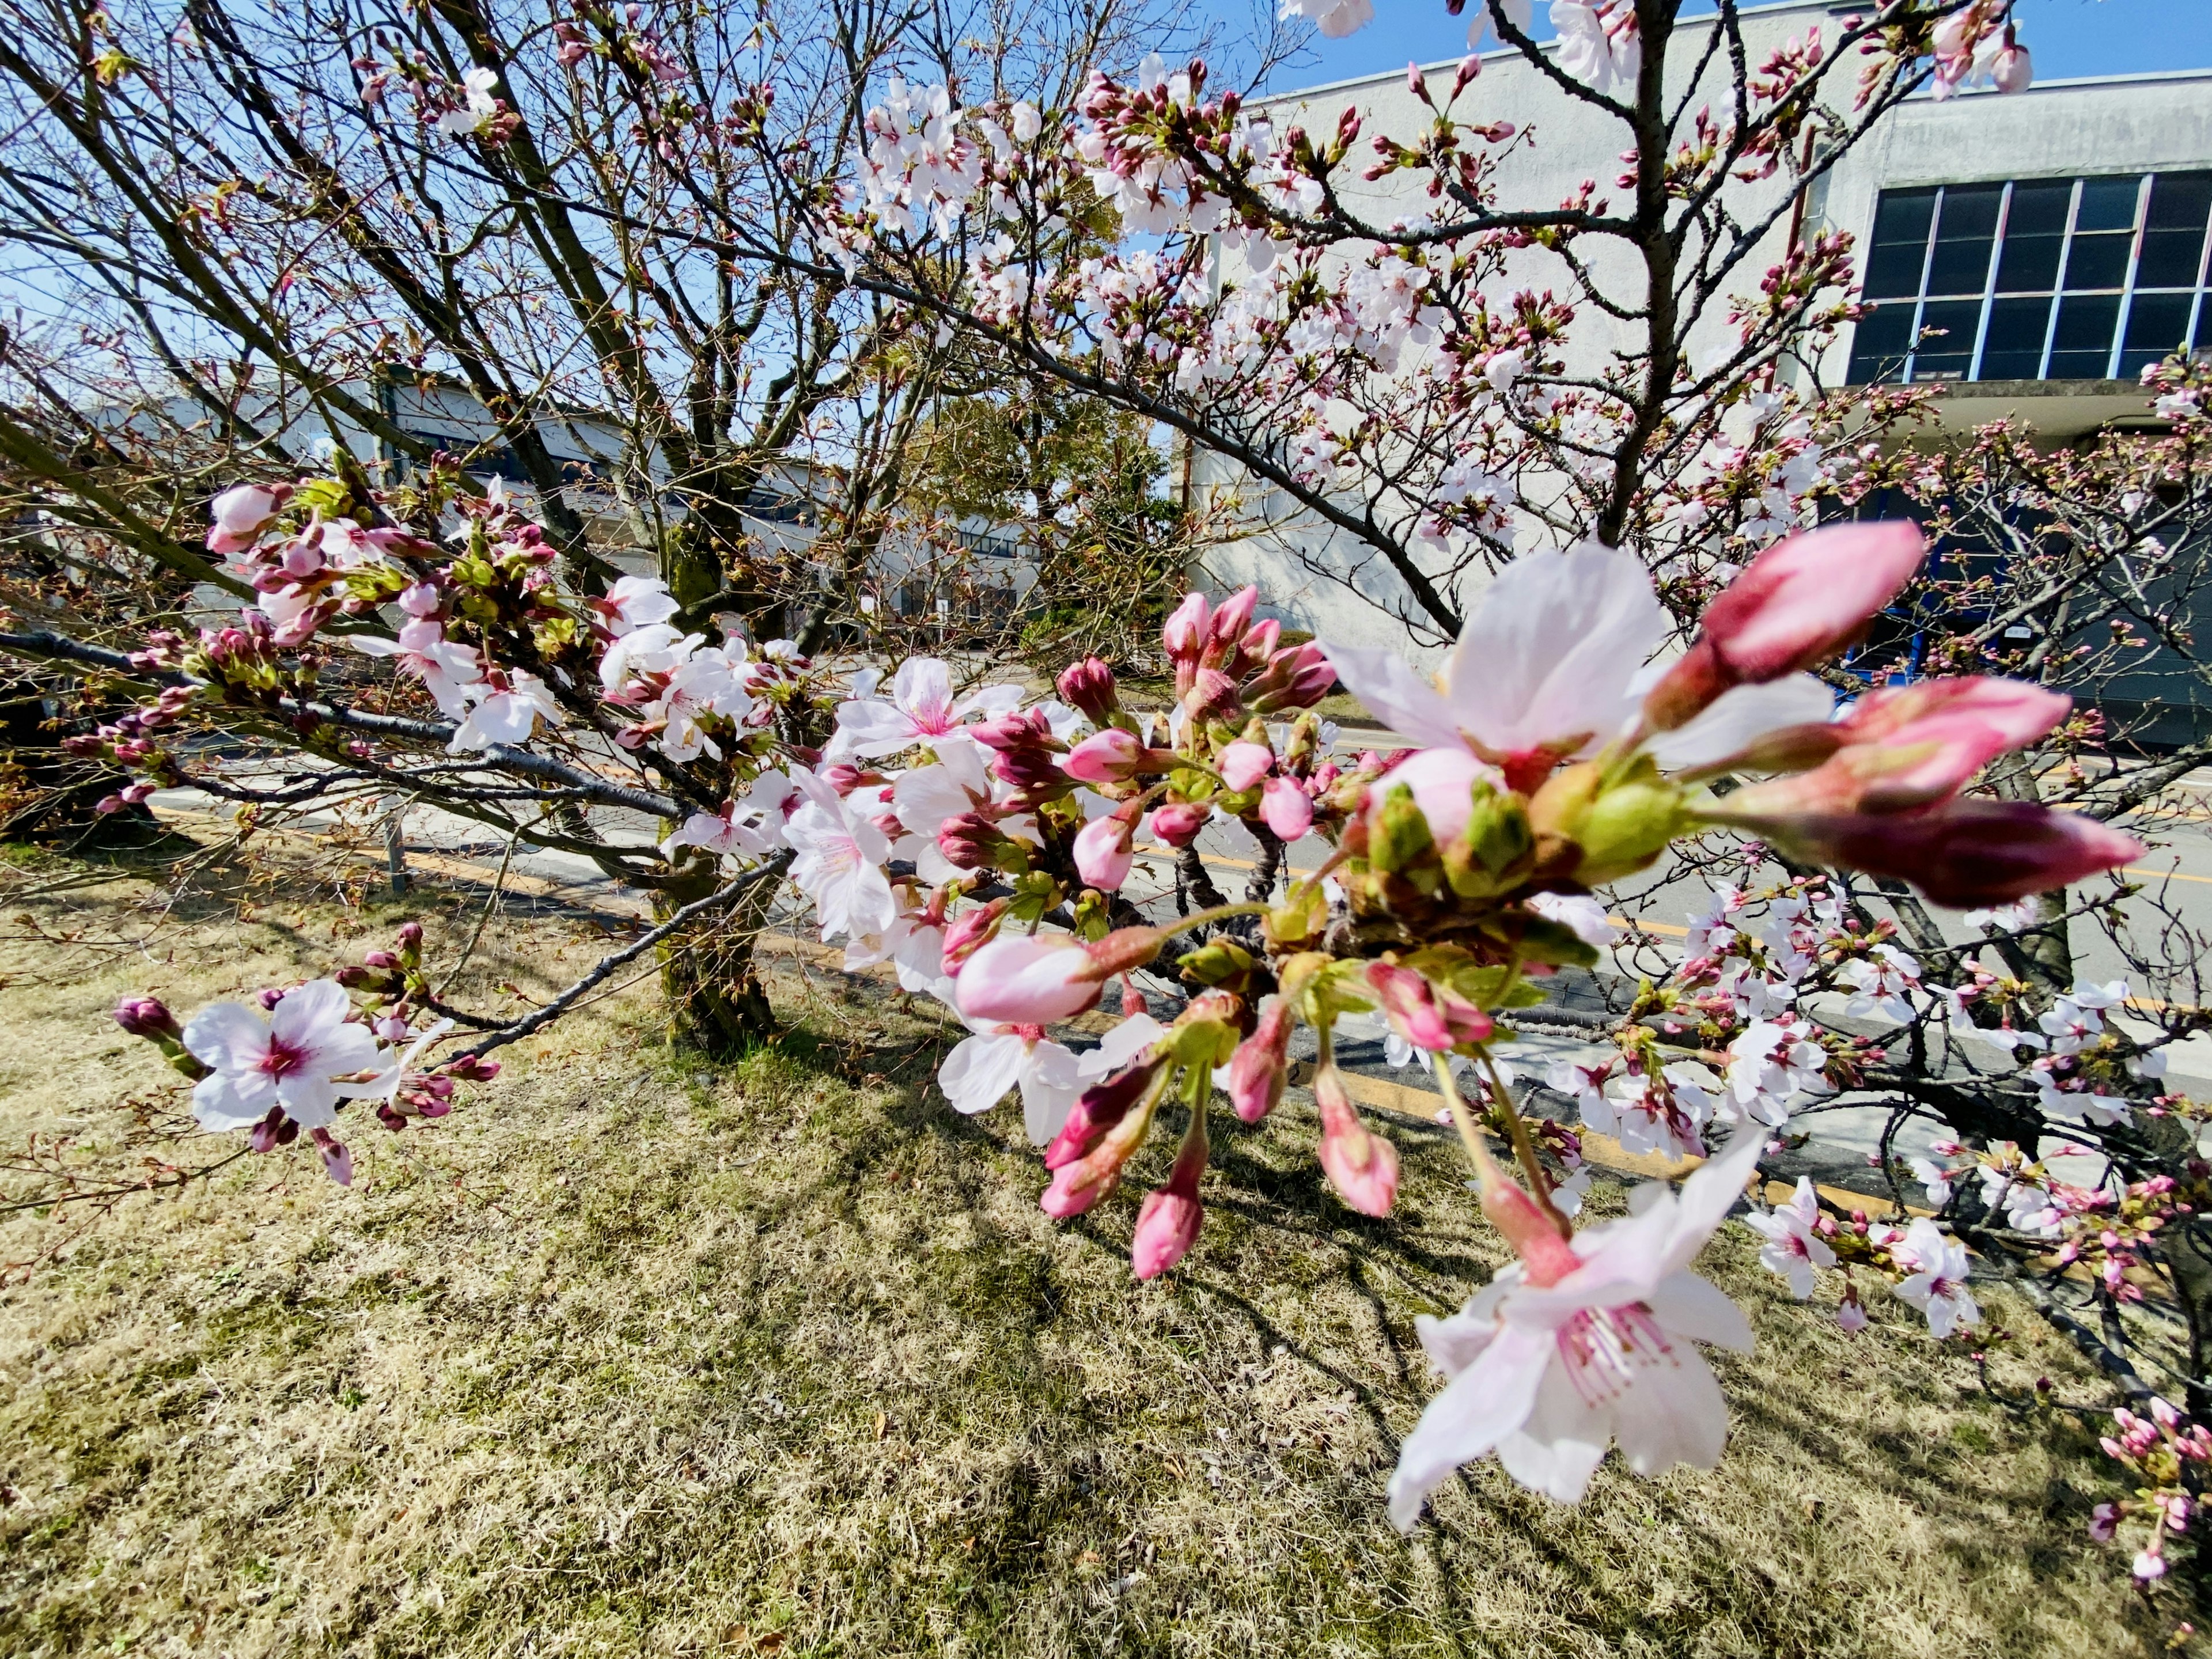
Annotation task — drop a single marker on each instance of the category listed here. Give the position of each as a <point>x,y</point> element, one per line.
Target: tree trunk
<point>716,1003</point>
<point>51,797</point>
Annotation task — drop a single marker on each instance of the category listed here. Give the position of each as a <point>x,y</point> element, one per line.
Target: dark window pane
<point>1879,343</point>
<point>1966,230</point>
<point>2035,226</point>
<point>2107,204</point>
<point>1900,243</point>
<point>2204,340</point>
<point>2014,348</point>
<point>2174,230</point>
<point>2157,322</point>
<point>2099,260</point>
<point>1946,339</point>
<point>2081,348</point>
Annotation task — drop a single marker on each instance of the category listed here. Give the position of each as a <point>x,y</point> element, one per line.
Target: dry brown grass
<point>629,1356</point>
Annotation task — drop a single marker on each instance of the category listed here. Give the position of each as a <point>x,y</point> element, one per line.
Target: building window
<point>2040,279</point>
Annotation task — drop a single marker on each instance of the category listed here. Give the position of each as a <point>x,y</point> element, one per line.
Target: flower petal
<point>1396,693</point>
<point>1673,1413</point>
<point>977,1075</point>
<point>1691,1306</point>
<point>1488,1401</point>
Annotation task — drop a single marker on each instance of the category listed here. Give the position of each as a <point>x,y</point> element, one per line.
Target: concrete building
<point>2033,252</point>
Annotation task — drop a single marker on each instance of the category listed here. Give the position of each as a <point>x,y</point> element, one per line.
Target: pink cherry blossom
<point>1242,765</point>
<point>505,707</point>
<point>840,856</point>
<point>295,1059</point>
<point>1937,1284</point>
<point>921,707</point>
<point>985,1066</point>
<point>1545,1371</point>
<point>1793,1249</point>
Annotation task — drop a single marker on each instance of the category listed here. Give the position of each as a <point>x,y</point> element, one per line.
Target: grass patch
<point>641,1354</point>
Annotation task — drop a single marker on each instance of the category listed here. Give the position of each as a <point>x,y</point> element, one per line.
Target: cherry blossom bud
<point>410,936</point>
<point>1228,623</point>
<point>1443,782</point>
<point>421,600</point>
<point>1242,765</point>
<point>2010,69</point>
<point>970,930</point>
<point>1177,823</point>
<point>1286,809</point>
<point>1424,1014</point>
<point>2150,1566</point>
<point>1852,1316</point>
<point>1258,644</point>
<point>1110,756</point>
<point>1967,853</point>
<point>1031,980</point>
<point>1360,1165</point>
<point>1089,685</point>
<point>1168,1222</point>
<point>1103,853</point>
<point>1296,676</point>
<point>337,1162</point>
<point>1257,1069</point>
<point>1211,695</point>
<point>1184,635</point>
<point>969,840</point>
<point>2104,1521</point>
<point>1080,1182</point>
<point>1795,605</point>
<point>1103,1105</point>
<point>148,1017</point>
<point>240,514</point>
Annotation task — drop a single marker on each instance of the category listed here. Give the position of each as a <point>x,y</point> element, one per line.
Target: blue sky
<point>2068,38</point>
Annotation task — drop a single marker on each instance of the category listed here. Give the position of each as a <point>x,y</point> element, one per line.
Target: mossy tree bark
<point>716,1003</point>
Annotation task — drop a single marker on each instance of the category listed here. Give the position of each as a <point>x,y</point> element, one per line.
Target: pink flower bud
<point>2010,69</point>
<point>1361,1166</point>
<point>240,514</point>
<point>969,840</point>
<point>1967,853</point>
<point>1110,756</point>
<point>1257,1069</point>
<point>1228,623</point>
<point>1078,1184</point>
<point>1168,1222</point>
<point>147,1017</point>
<point>1211,695</point>
<point>1286,809</point>
<point>1177,823</point>
<point>1028,980</point>
<point>1442,781</point>
<point>1089,685</point>
<point>1103,852</point>
<point>1258,644</point>
<point>1243,764</point>
<point>1852,1316</point>
<point>1795,605</point>
<point>1296,676</point>
<point>1423,1014</point>
<point>2150,1566</point>
<point>1185,633</point>
<point>410,936</point>
<point>421,600</point>
<point>2103,1521</point>
<point>969,932</point>
<point>338,1162</point>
